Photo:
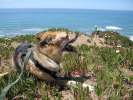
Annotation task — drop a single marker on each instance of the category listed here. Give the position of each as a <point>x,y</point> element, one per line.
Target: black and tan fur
<point>46,55</point>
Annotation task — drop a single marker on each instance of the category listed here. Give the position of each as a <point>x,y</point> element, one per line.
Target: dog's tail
<point>20,54</point>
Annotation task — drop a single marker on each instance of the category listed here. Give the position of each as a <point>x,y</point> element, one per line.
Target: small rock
<point>91,88</point>
<point>117,51</point>
<point>3,74</point>
<point>89,84</point>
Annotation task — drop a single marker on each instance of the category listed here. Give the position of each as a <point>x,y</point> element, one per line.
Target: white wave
<point>16,33</point>
<point>131,38</point>
<point>2,35</point>
<point>101,29</point>
<point>113,28</point>
<point>33,29</point>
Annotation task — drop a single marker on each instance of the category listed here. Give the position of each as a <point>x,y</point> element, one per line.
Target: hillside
<point>107,57</point>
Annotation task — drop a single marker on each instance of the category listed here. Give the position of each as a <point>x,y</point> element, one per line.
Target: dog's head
<point>59,39</point>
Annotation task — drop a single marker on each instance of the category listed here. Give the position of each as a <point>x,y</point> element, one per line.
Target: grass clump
<point>28,38</point>
<point>60,30</point>
<point>106,65</point>
<point>6,46</point>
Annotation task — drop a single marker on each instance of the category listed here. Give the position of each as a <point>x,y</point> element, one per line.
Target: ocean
<point>30,21</point>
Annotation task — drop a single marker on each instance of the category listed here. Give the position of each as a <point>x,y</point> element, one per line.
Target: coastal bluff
<point>105,56</point>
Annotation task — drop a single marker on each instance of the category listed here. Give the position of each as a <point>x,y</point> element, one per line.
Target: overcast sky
<point>76,4</point>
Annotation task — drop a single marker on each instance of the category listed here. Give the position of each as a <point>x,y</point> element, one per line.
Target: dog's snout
<point>70,48</point>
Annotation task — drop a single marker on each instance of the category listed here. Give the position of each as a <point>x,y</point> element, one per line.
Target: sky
<point>74,4</point>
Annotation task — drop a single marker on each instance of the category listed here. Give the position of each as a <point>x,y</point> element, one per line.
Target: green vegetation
<point>6,44</point>
<point>114,38</point>
<point>105,63</point>
<point>22,38</point>
<point>60,30</point>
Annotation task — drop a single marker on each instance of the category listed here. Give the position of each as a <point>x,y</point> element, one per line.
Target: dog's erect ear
<point>71,40</point>
<point>74,39</point>
<point>67,41</point>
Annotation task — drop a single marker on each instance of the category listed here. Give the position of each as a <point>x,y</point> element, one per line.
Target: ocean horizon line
<point>68,9</point>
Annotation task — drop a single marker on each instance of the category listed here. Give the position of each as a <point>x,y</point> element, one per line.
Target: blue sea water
<point>30,21</point>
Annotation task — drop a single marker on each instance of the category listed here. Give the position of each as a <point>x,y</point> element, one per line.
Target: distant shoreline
<point>9,36</point>
<point>65,9</point>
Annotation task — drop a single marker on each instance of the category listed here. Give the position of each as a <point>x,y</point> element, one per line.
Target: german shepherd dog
<point>44,62</point>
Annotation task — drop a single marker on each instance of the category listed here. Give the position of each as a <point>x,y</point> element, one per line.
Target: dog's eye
<point>49,39</point>
<point>46,41</point>
<point>42,43</point>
